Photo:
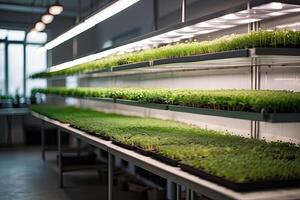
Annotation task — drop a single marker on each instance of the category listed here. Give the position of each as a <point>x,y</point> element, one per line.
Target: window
<point>3,34</point>
<point>2,68</point>
<point>15,69</point>
<point>35,61</point>
<point>36,37</point>
<point>16,45</point>
<point>15,35</point>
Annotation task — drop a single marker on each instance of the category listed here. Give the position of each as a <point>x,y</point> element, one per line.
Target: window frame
<point>24,43</point>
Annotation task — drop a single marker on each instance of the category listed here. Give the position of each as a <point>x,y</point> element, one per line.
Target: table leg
<point>43,140</point>
<point>61,184</point>
<point>178,191</point>
<point>9,133</point>
<point>110,176</point>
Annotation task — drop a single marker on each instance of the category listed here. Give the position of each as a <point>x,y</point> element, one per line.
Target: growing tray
<point>131,147</point>
<point>220,113</point>
<point>126,146</point>
<point>241,187</point>
<point>162,158</point>
<point>131,66</point>
<point>111,100</point>
<point>283,117</point>
<point>146,105</point>
<point>92,133</point>
<point>263,116</point>
<point>204,57</point>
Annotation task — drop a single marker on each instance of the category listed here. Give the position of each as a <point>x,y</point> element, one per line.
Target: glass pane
<point>3,34</point>
<point>15,68</point>
<point>2,69</point>
<point>38,37</point>
<point>36,61</point>
<point>16,35</point>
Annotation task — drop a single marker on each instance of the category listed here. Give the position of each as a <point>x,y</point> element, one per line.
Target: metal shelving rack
<point>253,59</point>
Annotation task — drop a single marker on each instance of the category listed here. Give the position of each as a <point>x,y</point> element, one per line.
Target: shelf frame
<point>253,116</point>
<point>160,65</point>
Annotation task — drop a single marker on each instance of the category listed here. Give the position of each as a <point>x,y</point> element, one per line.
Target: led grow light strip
<point>224,22</point>
<point>292,25</point>
<point>90,22</point>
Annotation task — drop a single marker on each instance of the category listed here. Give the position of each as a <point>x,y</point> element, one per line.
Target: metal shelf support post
<point>43,139</point>
<point>59,143</point>
<point>110,176</point>
<point>178,191</point>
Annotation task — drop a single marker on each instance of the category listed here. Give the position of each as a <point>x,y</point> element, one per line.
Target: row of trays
<point>262,116</point>
<point>240,53</point>
<point>240,187</point>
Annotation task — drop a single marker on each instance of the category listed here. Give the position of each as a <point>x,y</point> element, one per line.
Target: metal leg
<point>192,194</point>
<point>110,176</point>
<point>9,133</point>
<point>23,128</point>
<point>43,140</point>
<point>189,195</point>
<point>61,185</point>
<point>78,147</point>
<point>255,129</point>
<point>178,192</point>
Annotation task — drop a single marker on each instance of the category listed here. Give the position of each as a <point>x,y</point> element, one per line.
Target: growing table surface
<point>174,174</point>
<point>233,158</point>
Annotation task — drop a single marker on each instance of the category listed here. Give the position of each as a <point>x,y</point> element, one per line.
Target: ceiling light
<point>270,6</point>
<point>91,21</point>
<point>276,5</point>
<point>247,21</point>
<point>187,30</point>
<point>47,18</point>
<point>224,26</point>
<point>292,10</point>
<point>171,34</point>
<point>56,8</point>
<point>274,14</point>
<point>204,25</point>
<point>289,25</point>
<point>40,26</point>
<point>231,16</point>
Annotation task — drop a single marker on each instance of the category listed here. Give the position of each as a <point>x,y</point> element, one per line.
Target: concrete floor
<point>24,176</point>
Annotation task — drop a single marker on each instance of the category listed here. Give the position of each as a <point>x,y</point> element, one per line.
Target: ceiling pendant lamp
<point>40,26</point>
<point>47,18</point>
<point>56,8</point>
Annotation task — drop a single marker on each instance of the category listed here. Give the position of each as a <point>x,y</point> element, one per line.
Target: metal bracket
<point>255,85</point>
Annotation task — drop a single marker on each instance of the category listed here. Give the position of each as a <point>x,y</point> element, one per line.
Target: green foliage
<point>232,100</point>
<point>276,38</point>
<point>234,158</point>
<point>6,97</point>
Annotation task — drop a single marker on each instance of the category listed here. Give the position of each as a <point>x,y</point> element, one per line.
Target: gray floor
<point>23,176</point>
